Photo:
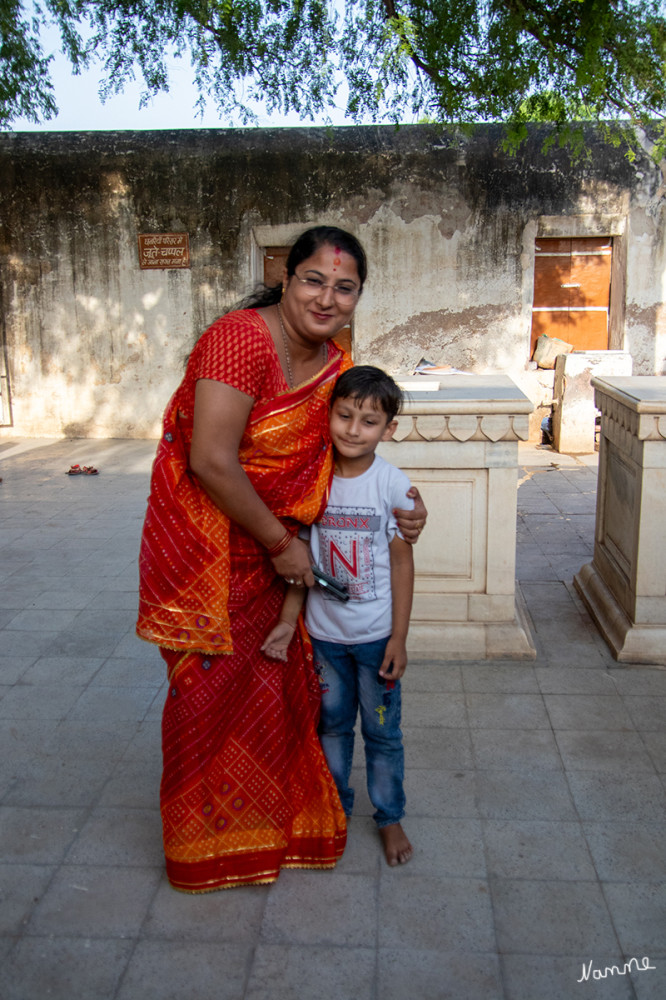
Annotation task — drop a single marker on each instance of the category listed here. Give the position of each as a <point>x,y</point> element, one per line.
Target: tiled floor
<point>536,790</point>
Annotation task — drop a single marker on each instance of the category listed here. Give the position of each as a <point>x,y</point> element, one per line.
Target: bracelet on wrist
<point>280,546</point>
<point>285,622</point>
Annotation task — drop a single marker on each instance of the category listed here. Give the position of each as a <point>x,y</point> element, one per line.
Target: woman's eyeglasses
<point>313,286</point>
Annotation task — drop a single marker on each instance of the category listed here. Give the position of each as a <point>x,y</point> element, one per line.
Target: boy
<point>359,646</point>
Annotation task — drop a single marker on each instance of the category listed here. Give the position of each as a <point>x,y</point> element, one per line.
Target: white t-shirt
<point>351,543</point>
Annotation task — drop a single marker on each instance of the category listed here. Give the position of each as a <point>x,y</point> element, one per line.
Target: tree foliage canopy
<point>454,61</point>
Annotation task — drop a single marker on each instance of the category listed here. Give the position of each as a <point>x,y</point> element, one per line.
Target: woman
<point>244,459</point>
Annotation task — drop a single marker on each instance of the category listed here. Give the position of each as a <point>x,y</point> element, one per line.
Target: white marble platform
<point>459,445</point>
<point>624,587</point>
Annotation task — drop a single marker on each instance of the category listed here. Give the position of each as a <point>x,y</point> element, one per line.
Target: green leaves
<point>454,61</point>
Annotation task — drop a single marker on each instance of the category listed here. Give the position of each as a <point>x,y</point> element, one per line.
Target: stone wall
<point>93,346</point>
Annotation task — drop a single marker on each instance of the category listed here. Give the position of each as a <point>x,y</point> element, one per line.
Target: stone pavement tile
<point>637,681</point>
<point>651,984</point>
<point>603,750</point>
<point>95,901</point>
<point>296,972</point>
<point>146,742</point>
<point>499,678</point>
<point>625,851</point>
<point>67,781</point>
<point>21,886</point>
<point>134,784</point>
<point>116,599</point>
<point>12,668</point>
<point>7,615</point>
<point>131,837</point>
<point>575,504</point>
<point>655,744</point>
<point>132,671</point>
<point>447,847</point>
<point>608,796</point>
<point>439,792</point>
<point>39,701</point>
<point>535,567</point>
<point>541,917</point>
<point>120,703</point>
<point>321,908</point>
<point>363,852</point>
<point>428,676</point>
<point>537,503</point>
<point>515,749</point>
<point>26,645</point>
<point>506,711</point>
<point>39,835</point>
<point>70,670</point>
<point>550,977</point>
<point>431,747</point>
<point>638,910</point>
<point>62,968</point>
<point>534,849</point>
<point>104,620</point>
<point>105,738</point>
<point>434,709</point>
<point>229,915</point>
<point>524,794</point>
<point>585,654</point>
<point>573,680</point>
<point>74,642</point>
<point>432,913</point>
<point>129,645</point>
<point>438,975</point>
<point>167,970</point>
<point>648,712</point>
<point>357,781</point>
<point>548,601</point>
<point>587,711</point>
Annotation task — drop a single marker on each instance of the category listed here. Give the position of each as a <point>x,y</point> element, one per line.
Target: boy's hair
<point>367,382</point>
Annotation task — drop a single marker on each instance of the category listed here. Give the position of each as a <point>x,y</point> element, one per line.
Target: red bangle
<point>280,546</point>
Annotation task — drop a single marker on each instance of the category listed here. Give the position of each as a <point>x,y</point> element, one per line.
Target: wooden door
<point>275,260</point>
<point>572,278</point>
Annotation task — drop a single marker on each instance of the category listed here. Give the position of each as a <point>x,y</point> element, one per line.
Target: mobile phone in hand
<point>330,584</point>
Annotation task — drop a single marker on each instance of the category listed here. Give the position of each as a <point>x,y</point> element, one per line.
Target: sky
<point>81,109</point>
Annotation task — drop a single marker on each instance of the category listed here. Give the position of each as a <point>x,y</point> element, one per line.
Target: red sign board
<point>164,250</point>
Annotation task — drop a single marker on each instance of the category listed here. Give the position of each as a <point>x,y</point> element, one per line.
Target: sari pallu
<point>245,788</point>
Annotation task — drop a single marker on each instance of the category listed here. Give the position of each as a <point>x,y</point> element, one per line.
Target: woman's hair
<point>367,382</point>
<point>305,246</point>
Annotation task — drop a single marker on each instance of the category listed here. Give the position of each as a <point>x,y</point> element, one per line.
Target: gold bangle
<point>285,622</point>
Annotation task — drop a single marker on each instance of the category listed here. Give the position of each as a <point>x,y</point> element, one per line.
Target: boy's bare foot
<point>397,847</point>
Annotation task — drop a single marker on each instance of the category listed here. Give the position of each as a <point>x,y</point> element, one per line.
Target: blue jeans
<point>349,678</point>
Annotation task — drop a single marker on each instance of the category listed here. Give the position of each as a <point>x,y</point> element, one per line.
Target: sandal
<point>74,470</point>
<point>90,470</point>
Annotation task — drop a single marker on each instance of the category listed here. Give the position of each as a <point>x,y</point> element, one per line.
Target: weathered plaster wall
<point>94,345</point>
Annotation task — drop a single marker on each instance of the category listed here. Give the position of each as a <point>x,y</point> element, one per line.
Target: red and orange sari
<point>245,789</point>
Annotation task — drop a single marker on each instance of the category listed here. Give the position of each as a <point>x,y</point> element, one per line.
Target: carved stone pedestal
<point>624,587</point>
<point>459,445</point>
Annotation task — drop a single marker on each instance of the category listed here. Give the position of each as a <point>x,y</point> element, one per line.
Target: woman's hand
<point>411,522</point>
<point>295,563</point>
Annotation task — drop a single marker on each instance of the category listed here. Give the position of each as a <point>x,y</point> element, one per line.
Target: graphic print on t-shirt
<point>346,535</point>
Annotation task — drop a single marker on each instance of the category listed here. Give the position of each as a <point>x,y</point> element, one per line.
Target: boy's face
<point>358,427</point>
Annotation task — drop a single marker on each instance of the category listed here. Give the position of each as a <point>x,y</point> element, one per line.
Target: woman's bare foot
<point>397,848</point>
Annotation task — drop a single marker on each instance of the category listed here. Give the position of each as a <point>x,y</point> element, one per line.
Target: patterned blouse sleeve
<point>234,350</point>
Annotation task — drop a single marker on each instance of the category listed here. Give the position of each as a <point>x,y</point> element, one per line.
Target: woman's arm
<point>220,417</point>
<point>411,522</point>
